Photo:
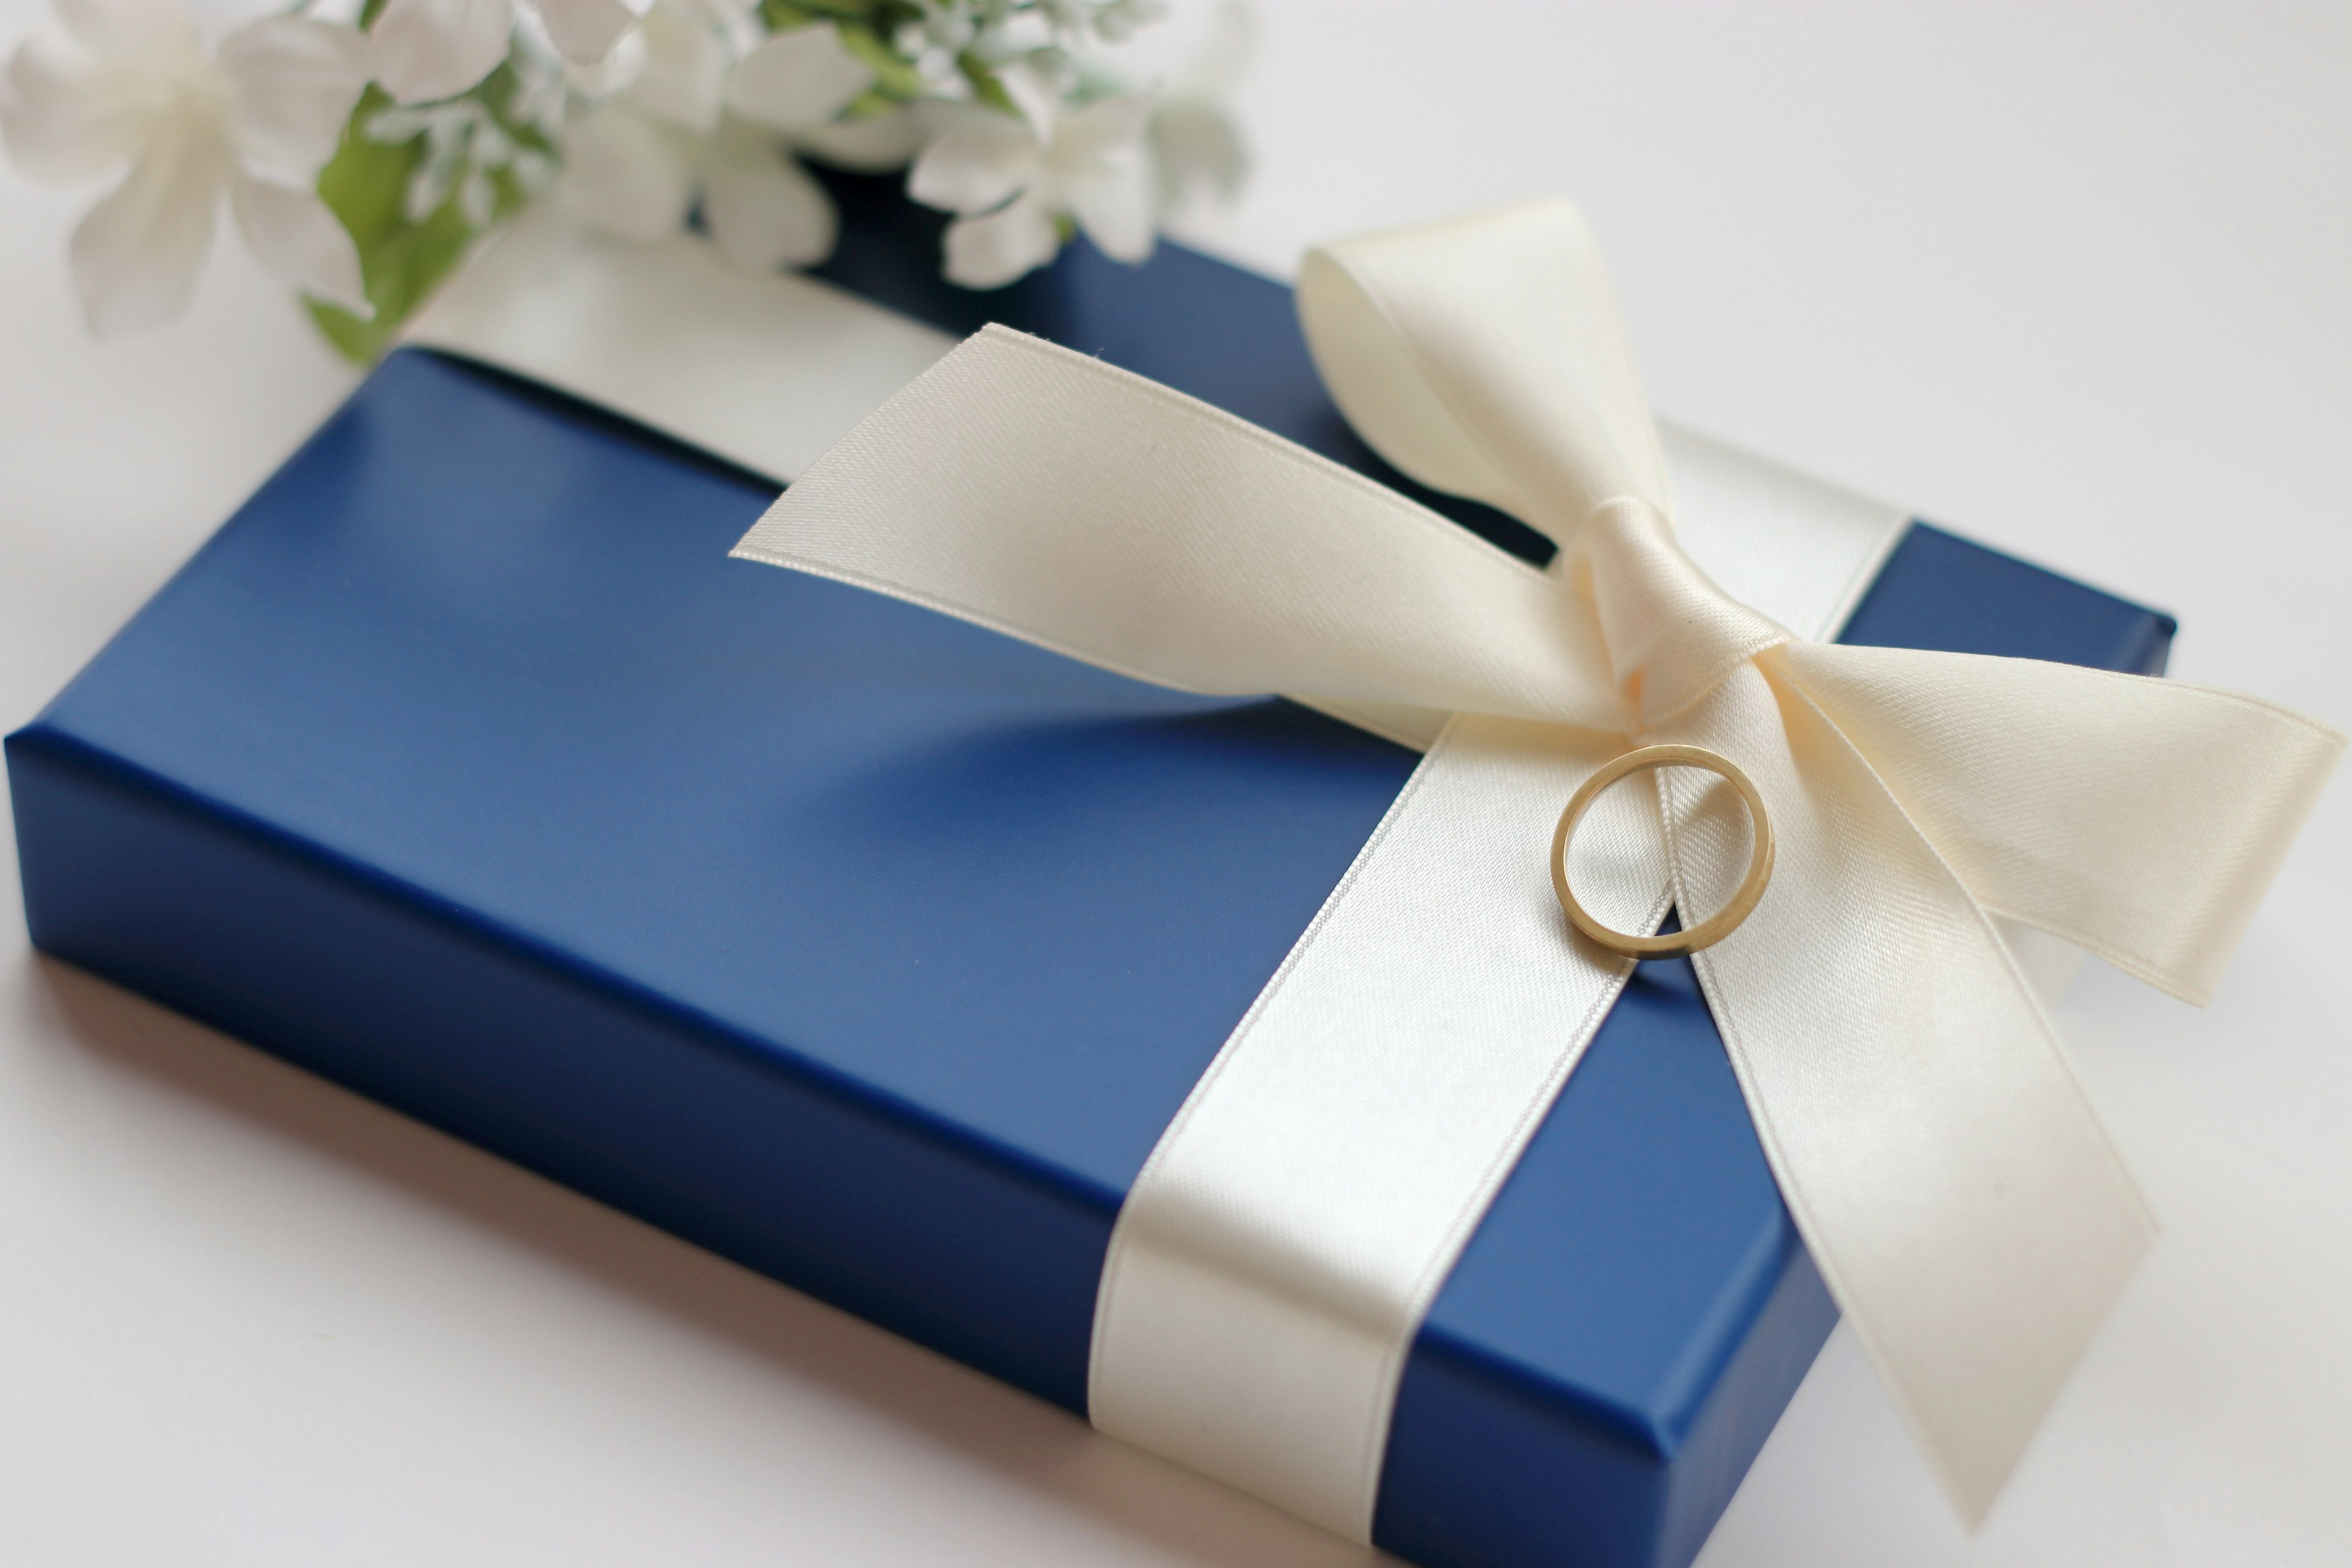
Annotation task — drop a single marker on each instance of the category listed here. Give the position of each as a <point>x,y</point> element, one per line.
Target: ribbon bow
<point>1966,1211</point>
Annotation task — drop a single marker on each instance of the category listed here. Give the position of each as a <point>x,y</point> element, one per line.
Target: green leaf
<point>365,185</point>
<point>882,20</point>
<point>866,28</point>
<point>894,75</point>
<point>887,16</point>
<point>985,85</point>
<point>402,261</point>
<point>866,105</point>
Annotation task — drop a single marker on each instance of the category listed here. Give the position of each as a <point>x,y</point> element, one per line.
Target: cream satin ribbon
<point>1276,1255</point>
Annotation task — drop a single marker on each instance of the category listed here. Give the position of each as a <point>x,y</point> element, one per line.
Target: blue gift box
<point>870,948</point>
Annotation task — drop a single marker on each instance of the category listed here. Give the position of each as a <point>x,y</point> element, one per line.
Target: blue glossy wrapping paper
<point>867,947</point>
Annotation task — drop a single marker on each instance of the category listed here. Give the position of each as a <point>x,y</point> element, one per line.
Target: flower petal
<point>1222,57</point>
<point>293,82</point>
<point>1118,21</point>
<point>1035,97</point>
<point>870,145</point>
<point>1101,168</point>
<point>624,177</point>
<point>685,70</point>
<point>991,251</point>
<point>1103,125</point>
<point>137,256</point>
<point>585,31</point>
<point>717,13</point>
<point>602,79</point>
<point>423,49</point>
<point>1198,152</point>
<point>1115,207</point>
<point>131,29</point>
<point>800,77</point>
<point>293,235</point>
<point>67,115</point>
<point>767,214</point>
<point>975,166</point>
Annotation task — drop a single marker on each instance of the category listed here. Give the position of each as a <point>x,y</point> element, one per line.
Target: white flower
<point>933,41</point>
<point>1112,21</point>
<point>420,50</point>
<point>693,126</point>
<point>631,177</point>
<point>1193,141</point>
<point>130,84</point>
<point>797,79</point>
<point>465,145</point>
<point>1199,154</point>
<point>1011,180</point>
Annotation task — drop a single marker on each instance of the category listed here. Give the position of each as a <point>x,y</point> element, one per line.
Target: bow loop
<point>1484,356</point>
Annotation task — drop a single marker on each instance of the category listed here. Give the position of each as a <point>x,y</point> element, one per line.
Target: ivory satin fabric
<point>1272,1262</point>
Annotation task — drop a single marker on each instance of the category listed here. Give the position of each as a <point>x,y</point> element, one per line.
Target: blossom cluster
<point>363,155</point>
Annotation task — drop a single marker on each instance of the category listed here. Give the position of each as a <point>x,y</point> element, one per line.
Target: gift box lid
<point>870,948</point>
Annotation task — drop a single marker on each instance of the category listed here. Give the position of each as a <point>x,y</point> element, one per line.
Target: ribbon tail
<point>2139,819</point>
<point>1963,1203</point>
<point>1187,548</point>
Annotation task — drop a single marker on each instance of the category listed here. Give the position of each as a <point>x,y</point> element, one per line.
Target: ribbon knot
<point>1275,1255</point>
<point>1672,636</point>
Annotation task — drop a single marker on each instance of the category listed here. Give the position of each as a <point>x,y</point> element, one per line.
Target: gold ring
<point>1717,926</point>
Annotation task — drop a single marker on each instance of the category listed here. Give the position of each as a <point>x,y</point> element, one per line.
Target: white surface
<point>2077,280</point>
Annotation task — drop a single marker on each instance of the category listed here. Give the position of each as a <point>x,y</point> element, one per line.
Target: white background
<point>2075,279</point>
